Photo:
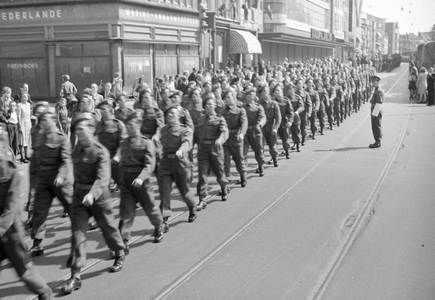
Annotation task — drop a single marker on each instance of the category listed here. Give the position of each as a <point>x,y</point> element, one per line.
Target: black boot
<point>192,214</point>
<point>158,234</point>
<point>118,264</point>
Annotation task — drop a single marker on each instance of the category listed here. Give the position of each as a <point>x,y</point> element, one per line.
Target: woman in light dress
<point>24,126</point>
<point>422,85</point>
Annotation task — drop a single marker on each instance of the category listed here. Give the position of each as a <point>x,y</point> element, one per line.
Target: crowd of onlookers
<point>421,84</point>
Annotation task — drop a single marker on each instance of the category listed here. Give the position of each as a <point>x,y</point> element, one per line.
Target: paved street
<point>336,221</point>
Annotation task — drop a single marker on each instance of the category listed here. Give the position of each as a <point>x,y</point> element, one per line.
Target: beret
<point>40,105</point>
<point>176,93</point>
<point>106,103</point>
<point>250,89</point>
<point>92,122</point>
<point>375,78</point>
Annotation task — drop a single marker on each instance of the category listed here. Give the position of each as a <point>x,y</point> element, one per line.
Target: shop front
<point>91,42</point>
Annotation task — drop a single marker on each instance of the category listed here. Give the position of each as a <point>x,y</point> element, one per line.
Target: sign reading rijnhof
<point>321,35</point>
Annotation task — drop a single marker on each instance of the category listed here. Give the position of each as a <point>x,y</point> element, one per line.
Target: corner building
<point>91,40</point>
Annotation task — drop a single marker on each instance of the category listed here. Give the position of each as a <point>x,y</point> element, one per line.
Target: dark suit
<point>431,88</point>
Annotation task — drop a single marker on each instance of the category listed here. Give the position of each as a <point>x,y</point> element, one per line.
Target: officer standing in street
<point>176,139</point>
<point>212,133</point>
<point>111,132</point>
<point>376,101</point>
<point>52,162</point>
<point>138,159</point>
<point>12,244</point>
<point>91,162</point>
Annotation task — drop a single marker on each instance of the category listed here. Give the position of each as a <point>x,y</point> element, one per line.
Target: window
<point>309,13</point>
<point>22,50</point>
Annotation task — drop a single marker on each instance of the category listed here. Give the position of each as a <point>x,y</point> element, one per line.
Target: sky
<point>417,15</point>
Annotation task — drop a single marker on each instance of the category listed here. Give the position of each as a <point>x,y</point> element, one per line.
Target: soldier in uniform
<point>111,132</point>
<point>91,162</point>
<point>329,101</point>
<point>273,122</point>
<point>337,100</point>
<point>123,111</point>
<point>321,111</point>
<point>174,100</point>
<point>305,114</point>
<point>377,97</point>
<point>85,106</point>
<point>52,162</point>
<point>136,167</point>
<point>212,134</point>
<point>176,139</point>
<point>67,90</point>
<point>254,134</point>
<point>287,116</point>
<point>235,117</point>
<point>12,244</point>
<point>315,102</point>
<point>298,107</point>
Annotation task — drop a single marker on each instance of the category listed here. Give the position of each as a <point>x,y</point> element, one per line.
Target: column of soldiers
<point>125,148</point>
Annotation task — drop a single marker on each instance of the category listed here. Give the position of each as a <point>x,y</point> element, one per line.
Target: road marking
<point>357,226</point>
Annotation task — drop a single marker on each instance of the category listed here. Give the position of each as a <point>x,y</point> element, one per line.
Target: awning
<point>244,42</point>
<point>358,40</point>
<point>378,34</point>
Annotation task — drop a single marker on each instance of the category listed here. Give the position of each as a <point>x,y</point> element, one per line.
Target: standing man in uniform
<point>67,90</point>
<point>12,244</point>
<point>111,132</point>
<point>91,162</point>
<point>376,102</point>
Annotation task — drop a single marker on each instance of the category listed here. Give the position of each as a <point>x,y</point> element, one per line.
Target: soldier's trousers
<point>45,192</point>
<point>254,138</point>
<point>270,138</point>
<point>321,117</point>
<point>377,127</point>
<point>313,125</point>
<point>337,116</point>
<point>356,100</point>
<point>102,210</point>
<point>234,148</point>
<point>304,121</point>
<point>178,171</point>
<point>210,155</point>
<point>296,130</point>
<point>129,197</point>
<point>329,111</point>
<point>13,247</point>
<point>284,134</point>
<point>346,107</point>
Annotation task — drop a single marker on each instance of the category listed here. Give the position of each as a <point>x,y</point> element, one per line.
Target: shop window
<point>68,50</point>
<point>136,49</point>
<point>22,50</point>
<point>159,49</point>
<point>184,50</point>
<point>171,50</point>
<point>96,49</point>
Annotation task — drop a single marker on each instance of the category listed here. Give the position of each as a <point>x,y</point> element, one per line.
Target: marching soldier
<point>52,162</point>
<point>377,99</point>
<point>123,111</point>
<point>235,117</point>
<point>321,111</point>
<point>254,134</point>
<point>138,160</point>
<point>212,134</point>
<point>12,244</point>
<point>91,162</point>
<point>329,100</point>
<point>111,132</point>
<point>176,139</point>
<point>337,100</point>
<point>305,114</point>
<point>287,116</point>
<point>315,102</point>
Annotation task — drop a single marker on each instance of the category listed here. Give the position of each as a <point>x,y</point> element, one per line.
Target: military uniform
<point>378,96</point>
<point>337,103</point>
<point>254,134</point>
<point>110,134</point>
<point>51,159</point>
<point>153,120</point>
<point>175,169</point>
<point>92,175</point>
<point>211,128</point>
<point>315,102</point>
<point>321,111</point>
<point>237,125</point>
<point>304,115</point>
<point>287,117</point>
<point>137,161</point>
<point>270,129</point>
<point>122,114</point>
<point>330,95</point>
<point>298,108</point>
<point>12,244</point>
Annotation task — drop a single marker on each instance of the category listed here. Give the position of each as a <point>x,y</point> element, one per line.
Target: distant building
<point>392,29</point>
<point>373,35</point>
<point>408,43</point>
<point>427,36</point>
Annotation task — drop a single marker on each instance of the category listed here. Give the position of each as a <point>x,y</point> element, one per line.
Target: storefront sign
<point>321,35</point>
<point>23,66</point>
<point>158,16</point>
<point>31,15</point>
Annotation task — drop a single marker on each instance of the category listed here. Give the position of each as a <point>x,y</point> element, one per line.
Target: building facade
<point>373,34</point>
<point>91,40</point>
<point>392,30</point>
<point>408,43</point>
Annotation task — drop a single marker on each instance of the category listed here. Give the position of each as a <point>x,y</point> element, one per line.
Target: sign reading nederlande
<point>23,15</point>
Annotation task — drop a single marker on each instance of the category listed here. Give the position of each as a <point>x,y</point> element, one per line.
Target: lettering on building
<point>23,66</point>
<point>321,35</point>
<point>49,14</point>
<point>163,16</point>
